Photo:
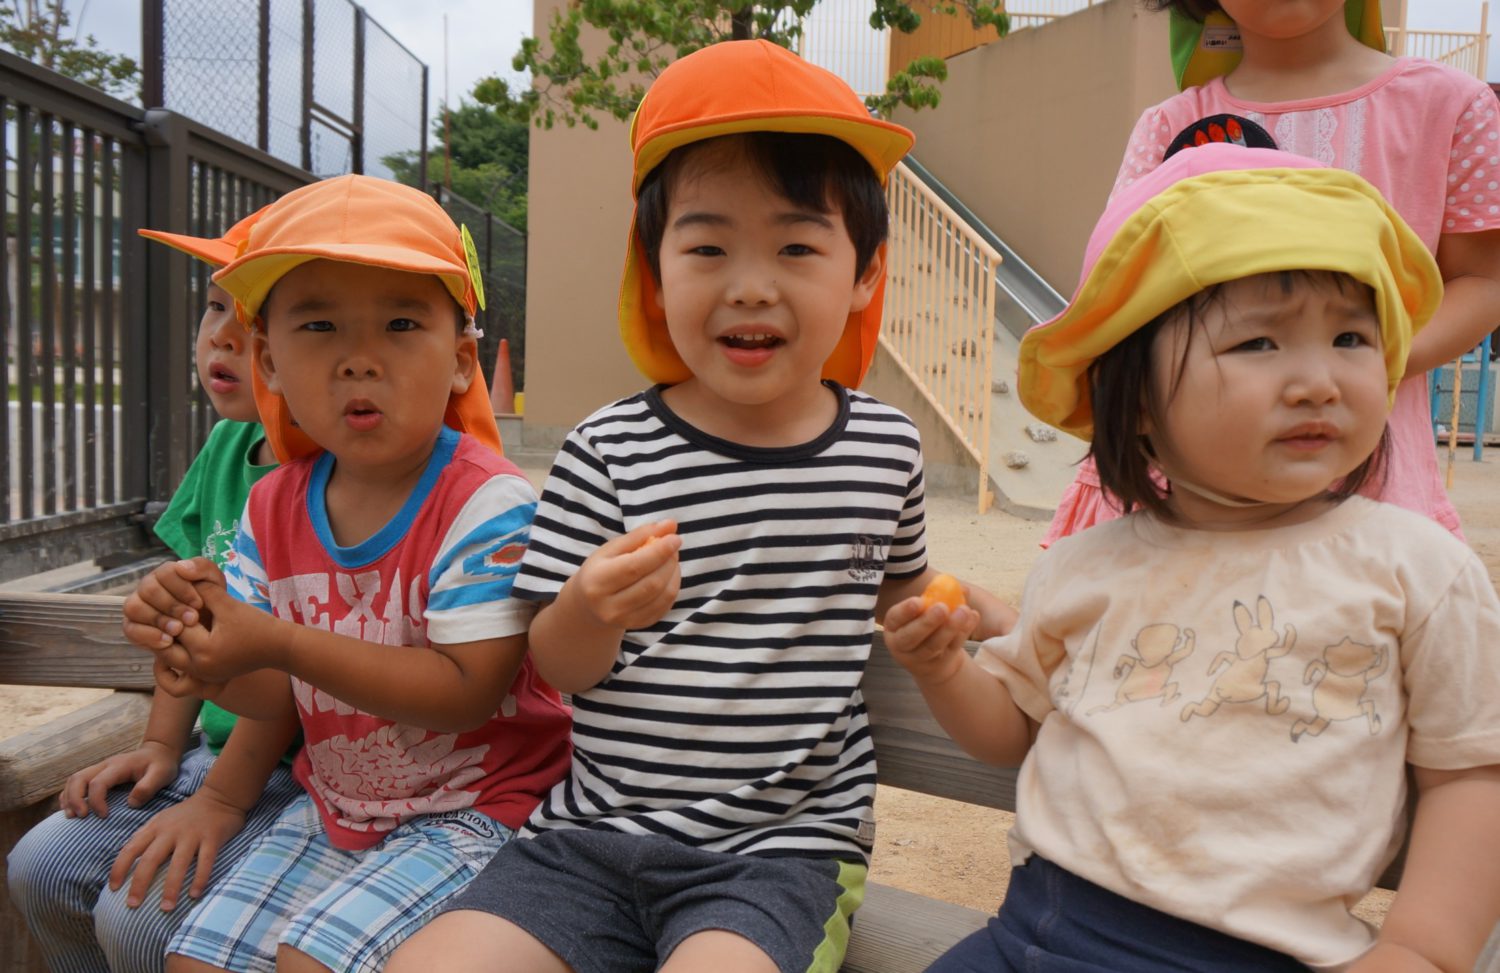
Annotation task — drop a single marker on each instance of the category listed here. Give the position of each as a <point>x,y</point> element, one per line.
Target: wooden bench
<point>73,640</point>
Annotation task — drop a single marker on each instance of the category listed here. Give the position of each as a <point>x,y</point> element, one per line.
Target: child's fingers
<point>97,792</point>
<point>156,777</point>
<point>74,797</point>
<point>147,635</point>
<point>156,854</point>
<point>174,680</point>
<point>641,564</point>
<point>638,538</point>
<point>901,614</point>
<point>208,853</point>
<point>177,869</point>
<point>133,848</point>
<point>177,577</point>
<point>167,594</point>
<point>200,569</point>
<point>140,614</point>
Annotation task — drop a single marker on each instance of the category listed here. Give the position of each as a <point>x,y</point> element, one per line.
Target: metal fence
<point>502,263</point>
<point>103,409</point>
<point>315,83</point>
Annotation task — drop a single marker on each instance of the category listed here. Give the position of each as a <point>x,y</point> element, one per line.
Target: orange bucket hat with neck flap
<point>733,88</point>
<point>214,251</point>
<point>363,220</point>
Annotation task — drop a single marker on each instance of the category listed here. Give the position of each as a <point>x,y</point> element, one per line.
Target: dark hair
<point>1122,393</point>
<point>1196,9</point>
<point>817,172</point>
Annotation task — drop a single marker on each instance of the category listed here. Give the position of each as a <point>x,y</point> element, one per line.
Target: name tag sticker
<point>1221,38</point>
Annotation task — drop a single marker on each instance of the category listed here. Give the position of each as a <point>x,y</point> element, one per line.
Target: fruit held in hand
<point>943,590</point>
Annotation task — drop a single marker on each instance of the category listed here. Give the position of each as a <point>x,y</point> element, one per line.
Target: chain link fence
<point>315,83</point>
<point>502,264</point>
<point>320,85</point>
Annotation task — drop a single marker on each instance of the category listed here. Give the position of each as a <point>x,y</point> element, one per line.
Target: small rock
<point>1016,459</point>
<point>1000,387</point>
<point>1040,433</point>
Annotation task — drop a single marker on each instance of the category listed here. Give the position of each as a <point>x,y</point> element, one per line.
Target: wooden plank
<point>68,640</point>
<point>34,765</point>
<point>900,932</point>
<point>913,752</point>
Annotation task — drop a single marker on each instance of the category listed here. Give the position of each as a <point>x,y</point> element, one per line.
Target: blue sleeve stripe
<point>246,554</point>
<point>463,596</point>
<point>516,520</point>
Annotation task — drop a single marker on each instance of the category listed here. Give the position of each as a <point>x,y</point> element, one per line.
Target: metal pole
<point>153,51</point>
<point>163,331</point>
<point>263,80</point>
<point>359,90</point>
<point>1458,388</point>
<point>447,111</point>
<point>1482,407</point>
<point>422,169</point>
<point>307,82</point>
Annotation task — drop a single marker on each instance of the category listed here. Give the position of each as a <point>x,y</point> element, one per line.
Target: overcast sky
<point>484,34</point>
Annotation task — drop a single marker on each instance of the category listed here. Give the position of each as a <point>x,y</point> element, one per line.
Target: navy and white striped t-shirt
<point>735,723</point>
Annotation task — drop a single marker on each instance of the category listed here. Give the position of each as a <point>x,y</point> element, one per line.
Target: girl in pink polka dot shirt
<point>1426,135</point>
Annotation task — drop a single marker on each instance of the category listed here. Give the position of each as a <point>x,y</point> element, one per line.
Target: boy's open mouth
<point>752,342</point>
<point>362,414</point>
<point>222,380</point>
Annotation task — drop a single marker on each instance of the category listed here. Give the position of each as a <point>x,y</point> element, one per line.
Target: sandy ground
<point>929,845</point>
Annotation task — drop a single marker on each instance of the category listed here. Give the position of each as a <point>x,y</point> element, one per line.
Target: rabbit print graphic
<point>1255,665</point>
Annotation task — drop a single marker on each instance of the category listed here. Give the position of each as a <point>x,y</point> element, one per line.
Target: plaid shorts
<point>348,910</point>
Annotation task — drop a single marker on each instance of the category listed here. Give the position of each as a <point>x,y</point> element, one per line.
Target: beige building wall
<point>578,215</point>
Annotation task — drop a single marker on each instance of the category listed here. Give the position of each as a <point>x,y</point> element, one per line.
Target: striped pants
<point>59,875</point>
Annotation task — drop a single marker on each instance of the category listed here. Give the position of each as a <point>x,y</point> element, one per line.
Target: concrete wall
<point>1031,128</point>
<point>579,213</point>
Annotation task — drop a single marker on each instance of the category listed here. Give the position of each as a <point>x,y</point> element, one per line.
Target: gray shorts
<point>609,903</point>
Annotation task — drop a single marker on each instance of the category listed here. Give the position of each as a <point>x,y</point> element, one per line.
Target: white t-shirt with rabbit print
<point>1226,717</point>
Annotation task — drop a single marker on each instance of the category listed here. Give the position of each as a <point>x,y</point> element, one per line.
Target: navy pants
<point>1052,921</point>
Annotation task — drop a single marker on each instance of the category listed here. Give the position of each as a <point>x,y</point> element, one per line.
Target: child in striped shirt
<point>710,556</point>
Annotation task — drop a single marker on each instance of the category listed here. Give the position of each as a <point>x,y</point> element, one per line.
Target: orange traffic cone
<point>503,390</point>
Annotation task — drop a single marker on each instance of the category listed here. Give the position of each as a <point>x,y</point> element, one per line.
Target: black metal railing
<point>103,409</point>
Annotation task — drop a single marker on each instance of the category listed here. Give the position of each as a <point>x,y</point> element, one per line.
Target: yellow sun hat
<point>1213,214</point>
<point>362,220</point>
<point>1202,51</point>
<point>733,88</point>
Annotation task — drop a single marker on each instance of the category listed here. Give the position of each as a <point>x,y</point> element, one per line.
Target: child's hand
<point>194,830</point>
<point>632,580</point>
<point>175,682</point>
<point>165,601</point>
<point>929,642</point>
<point>230,639</point>
<point>151,766</point>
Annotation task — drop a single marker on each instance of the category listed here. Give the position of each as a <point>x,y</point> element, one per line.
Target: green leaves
<point>631,41</point>
<point>37,31</point>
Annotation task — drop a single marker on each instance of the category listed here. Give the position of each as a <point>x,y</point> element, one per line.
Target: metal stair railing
<point>940,312</point>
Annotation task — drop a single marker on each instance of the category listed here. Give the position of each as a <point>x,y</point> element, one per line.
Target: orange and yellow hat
<point>728,89</point>
<point>1212,214</point>
<point>216,251</point>
<point>362,220</point>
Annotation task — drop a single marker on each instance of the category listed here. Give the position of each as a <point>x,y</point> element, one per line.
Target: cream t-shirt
<point>1226,717</point>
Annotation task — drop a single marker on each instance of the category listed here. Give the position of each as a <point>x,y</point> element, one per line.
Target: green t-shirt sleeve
<point>204,515</point>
